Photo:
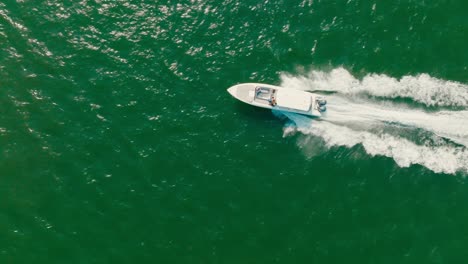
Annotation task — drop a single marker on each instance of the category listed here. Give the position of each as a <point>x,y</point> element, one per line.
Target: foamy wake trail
<point>421,88</point>
<point>444,158</point>
<point>435,140</point>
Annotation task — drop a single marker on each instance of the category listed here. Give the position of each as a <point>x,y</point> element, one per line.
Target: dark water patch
<point>119,142</point>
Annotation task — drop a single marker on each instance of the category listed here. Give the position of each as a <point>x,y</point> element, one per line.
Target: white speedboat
<point>279,98</point>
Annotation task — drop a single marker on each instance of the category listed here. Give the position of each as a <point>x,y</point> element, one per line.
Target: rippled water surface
<point>119,142</point>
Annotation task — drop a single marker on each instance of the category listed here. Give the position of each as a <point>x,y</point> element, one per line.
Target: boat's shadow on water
<point>254,113</point>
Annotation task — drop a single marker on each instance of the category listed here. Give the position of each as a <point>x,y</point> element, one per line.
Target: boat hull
<point>278,98</point>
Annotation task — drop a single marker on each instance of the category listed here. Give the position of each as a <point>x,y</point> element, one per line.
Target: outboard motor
<point>321,101</point>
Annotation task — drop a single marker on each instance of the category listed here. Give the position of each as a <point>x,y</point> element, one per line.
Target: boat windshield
<point>264,93</point>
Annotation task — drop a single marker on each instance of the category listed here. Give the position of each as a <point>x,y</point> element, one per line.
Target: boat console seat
<point>261,90</point>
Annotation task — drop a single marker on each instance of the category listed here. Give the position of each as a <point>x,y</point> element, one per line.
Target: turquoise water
<point>120,144</point>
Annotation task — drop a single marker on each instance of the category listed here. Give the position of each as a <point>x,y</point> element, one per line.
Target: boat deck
<point>293,100</point>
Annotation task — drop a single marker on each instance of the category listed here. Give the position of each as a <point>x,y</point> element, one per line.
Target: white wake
<point>422,88</point>
<point>437,140</point>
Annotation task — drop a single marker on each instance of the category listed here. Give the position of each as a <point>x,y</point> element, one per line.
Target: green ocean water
<point>120,144</point>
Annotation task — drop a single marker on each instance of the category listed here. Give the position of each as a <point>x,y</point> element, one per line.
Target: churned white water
<point>410,135</point>
<point>422,88</point>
